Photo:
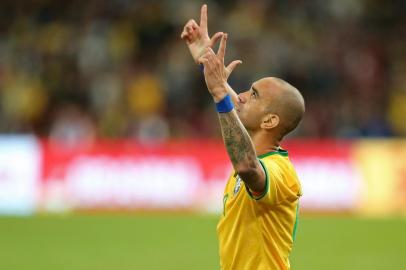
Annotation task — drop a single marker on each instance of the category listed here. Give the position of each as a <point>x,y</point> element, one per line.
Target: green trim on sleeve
<point>266,184</point>
<point>296,222</point>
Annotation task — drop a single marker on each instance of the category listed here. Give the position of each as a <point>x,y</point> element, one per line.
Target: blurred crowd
<point>79,70</point>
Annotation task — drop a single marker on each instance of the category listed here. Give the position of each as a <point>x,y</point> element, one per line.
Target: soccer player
<point>261,198</point>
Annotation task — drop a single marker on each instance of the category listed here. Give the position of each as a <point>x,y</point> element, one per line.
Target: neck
<point>264,142</point>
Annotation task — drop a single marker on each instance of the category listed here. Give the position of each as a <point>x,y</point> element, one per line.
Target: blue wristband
<point>225,105</point>
<point>201,68</point>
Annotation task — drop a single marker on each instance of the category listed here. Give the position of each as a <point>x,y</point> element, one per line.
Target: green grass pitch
<point>181,241</point>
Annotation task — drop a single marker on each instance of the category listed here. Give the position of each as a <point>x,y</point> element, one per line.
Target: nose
<point>242,97</point>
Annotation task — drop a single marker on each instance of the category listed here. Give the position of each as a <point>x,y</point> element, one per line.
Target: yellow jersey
<point>257,232</point>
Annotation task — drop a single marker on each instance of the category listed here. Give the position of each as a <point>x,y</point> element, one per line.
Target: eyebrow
<point>255,90</point>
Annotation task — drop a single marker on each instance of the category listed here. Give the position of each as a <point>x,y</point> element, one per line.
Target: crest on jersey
<point>238,183</point>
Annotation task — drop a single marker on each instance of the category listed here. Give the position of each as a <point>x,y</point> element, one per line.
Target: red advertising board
<point>183,174</point>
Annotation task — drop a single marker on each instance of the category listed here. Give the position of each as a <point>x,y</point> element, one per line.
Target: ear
<point>270,121</point>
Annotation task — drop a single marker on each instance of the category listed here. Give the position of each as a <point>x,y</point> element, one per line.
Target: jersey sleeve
<point>281,184</point>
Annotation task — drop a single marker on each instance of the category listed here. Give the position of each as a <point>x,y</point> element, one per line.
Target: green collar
<point>280,151</point>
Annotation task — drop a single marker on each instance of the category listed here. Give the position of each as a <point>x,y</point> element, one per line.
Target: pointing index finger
<point>203,17</point>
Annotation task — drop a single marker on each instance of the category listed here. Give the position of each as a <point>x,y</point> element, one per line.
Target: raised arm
<point>236,138</point>
<point>198,40</point>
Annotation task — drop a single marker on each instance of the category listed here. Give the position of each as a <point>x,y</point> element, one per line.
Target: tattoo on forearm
<point>236,139</point>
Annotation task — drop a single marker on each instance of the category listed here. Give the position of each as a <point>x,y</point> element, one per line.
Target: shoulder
<point>279,168</point>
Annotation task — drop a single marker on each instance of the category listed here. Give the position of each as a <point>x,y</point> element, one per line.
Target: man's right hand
<point>197,36</point>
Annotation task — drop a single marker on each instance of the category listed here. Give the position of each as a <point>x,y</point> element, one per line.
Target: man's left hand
<point>215,73</point>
